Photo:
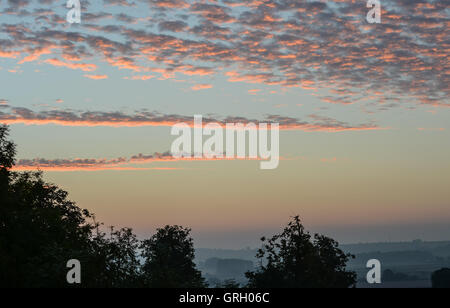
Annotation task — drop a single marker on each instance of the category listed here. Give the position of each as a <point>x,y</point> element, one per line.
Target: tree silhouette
<point>114,261</point>
<point>441,279</point>
<point>7,154</point>
<point>294,259</point>
<point>41,229</point>
<point>169,260</point>
<point>7,149</point>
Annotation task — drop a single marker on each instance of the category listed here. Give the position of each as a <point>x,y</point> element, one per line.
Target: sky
<point>363,111</point>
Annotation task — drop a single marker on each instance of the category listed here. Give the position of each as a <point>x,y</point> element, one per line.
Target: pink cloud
<point>203,86</point>
<point>96,77</point>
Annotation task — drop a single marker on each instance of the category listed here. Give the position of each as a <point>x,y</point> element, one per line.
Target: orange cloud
<point>432,129</point>
<point>118,119</point>
<point>199,87</point>
<point>329,160</point>
<point>119,164</point>
<point>9,54</point>
<point>74,66</point>
<point>143,77</point>
<point>84,169</point>
<point>254,91</point>
<point>96,77</point>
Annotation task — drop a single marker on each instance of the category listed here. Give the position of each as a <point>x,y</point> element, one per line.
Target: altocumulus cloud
<point>273,42</point>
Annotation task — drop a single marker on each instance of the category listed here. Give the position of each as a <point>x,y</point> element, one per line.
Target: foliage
<point>7,149</point>
<point>169,256</point>
<point>41,229</point>
<point>295,259</point>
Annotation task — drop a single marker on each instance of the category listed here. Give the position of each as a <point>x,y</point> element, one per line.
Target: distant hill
<point>202,254</point>
<point>439,249</point>
<point>415,259</point>
<point>442,246</point>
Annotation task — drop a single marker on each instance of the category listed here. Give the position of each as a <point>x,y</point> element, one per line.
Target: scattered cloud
<point>142,77</point>
<point>254,91</point>
<point>20,115</point>
<point>4,103</point>
<point>202,86</point>
<point>121,163</point>
<point>431,129</point>
<point>329,160</point>
<point>274,42</point>
<point>96,77</point>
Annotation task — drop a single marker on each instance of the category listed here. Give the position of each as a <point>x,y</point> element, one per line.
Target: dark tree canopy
<point>169,256</point>
<point>441,279</point>
<point>7,149</point>
<point>7,154</point>
<point>295,259</point>
<point>116,256</point>
<point>41,229</point>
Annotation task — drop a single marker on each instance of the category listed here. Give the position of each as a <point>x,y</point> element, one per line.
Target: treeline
<point>41,229</point>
